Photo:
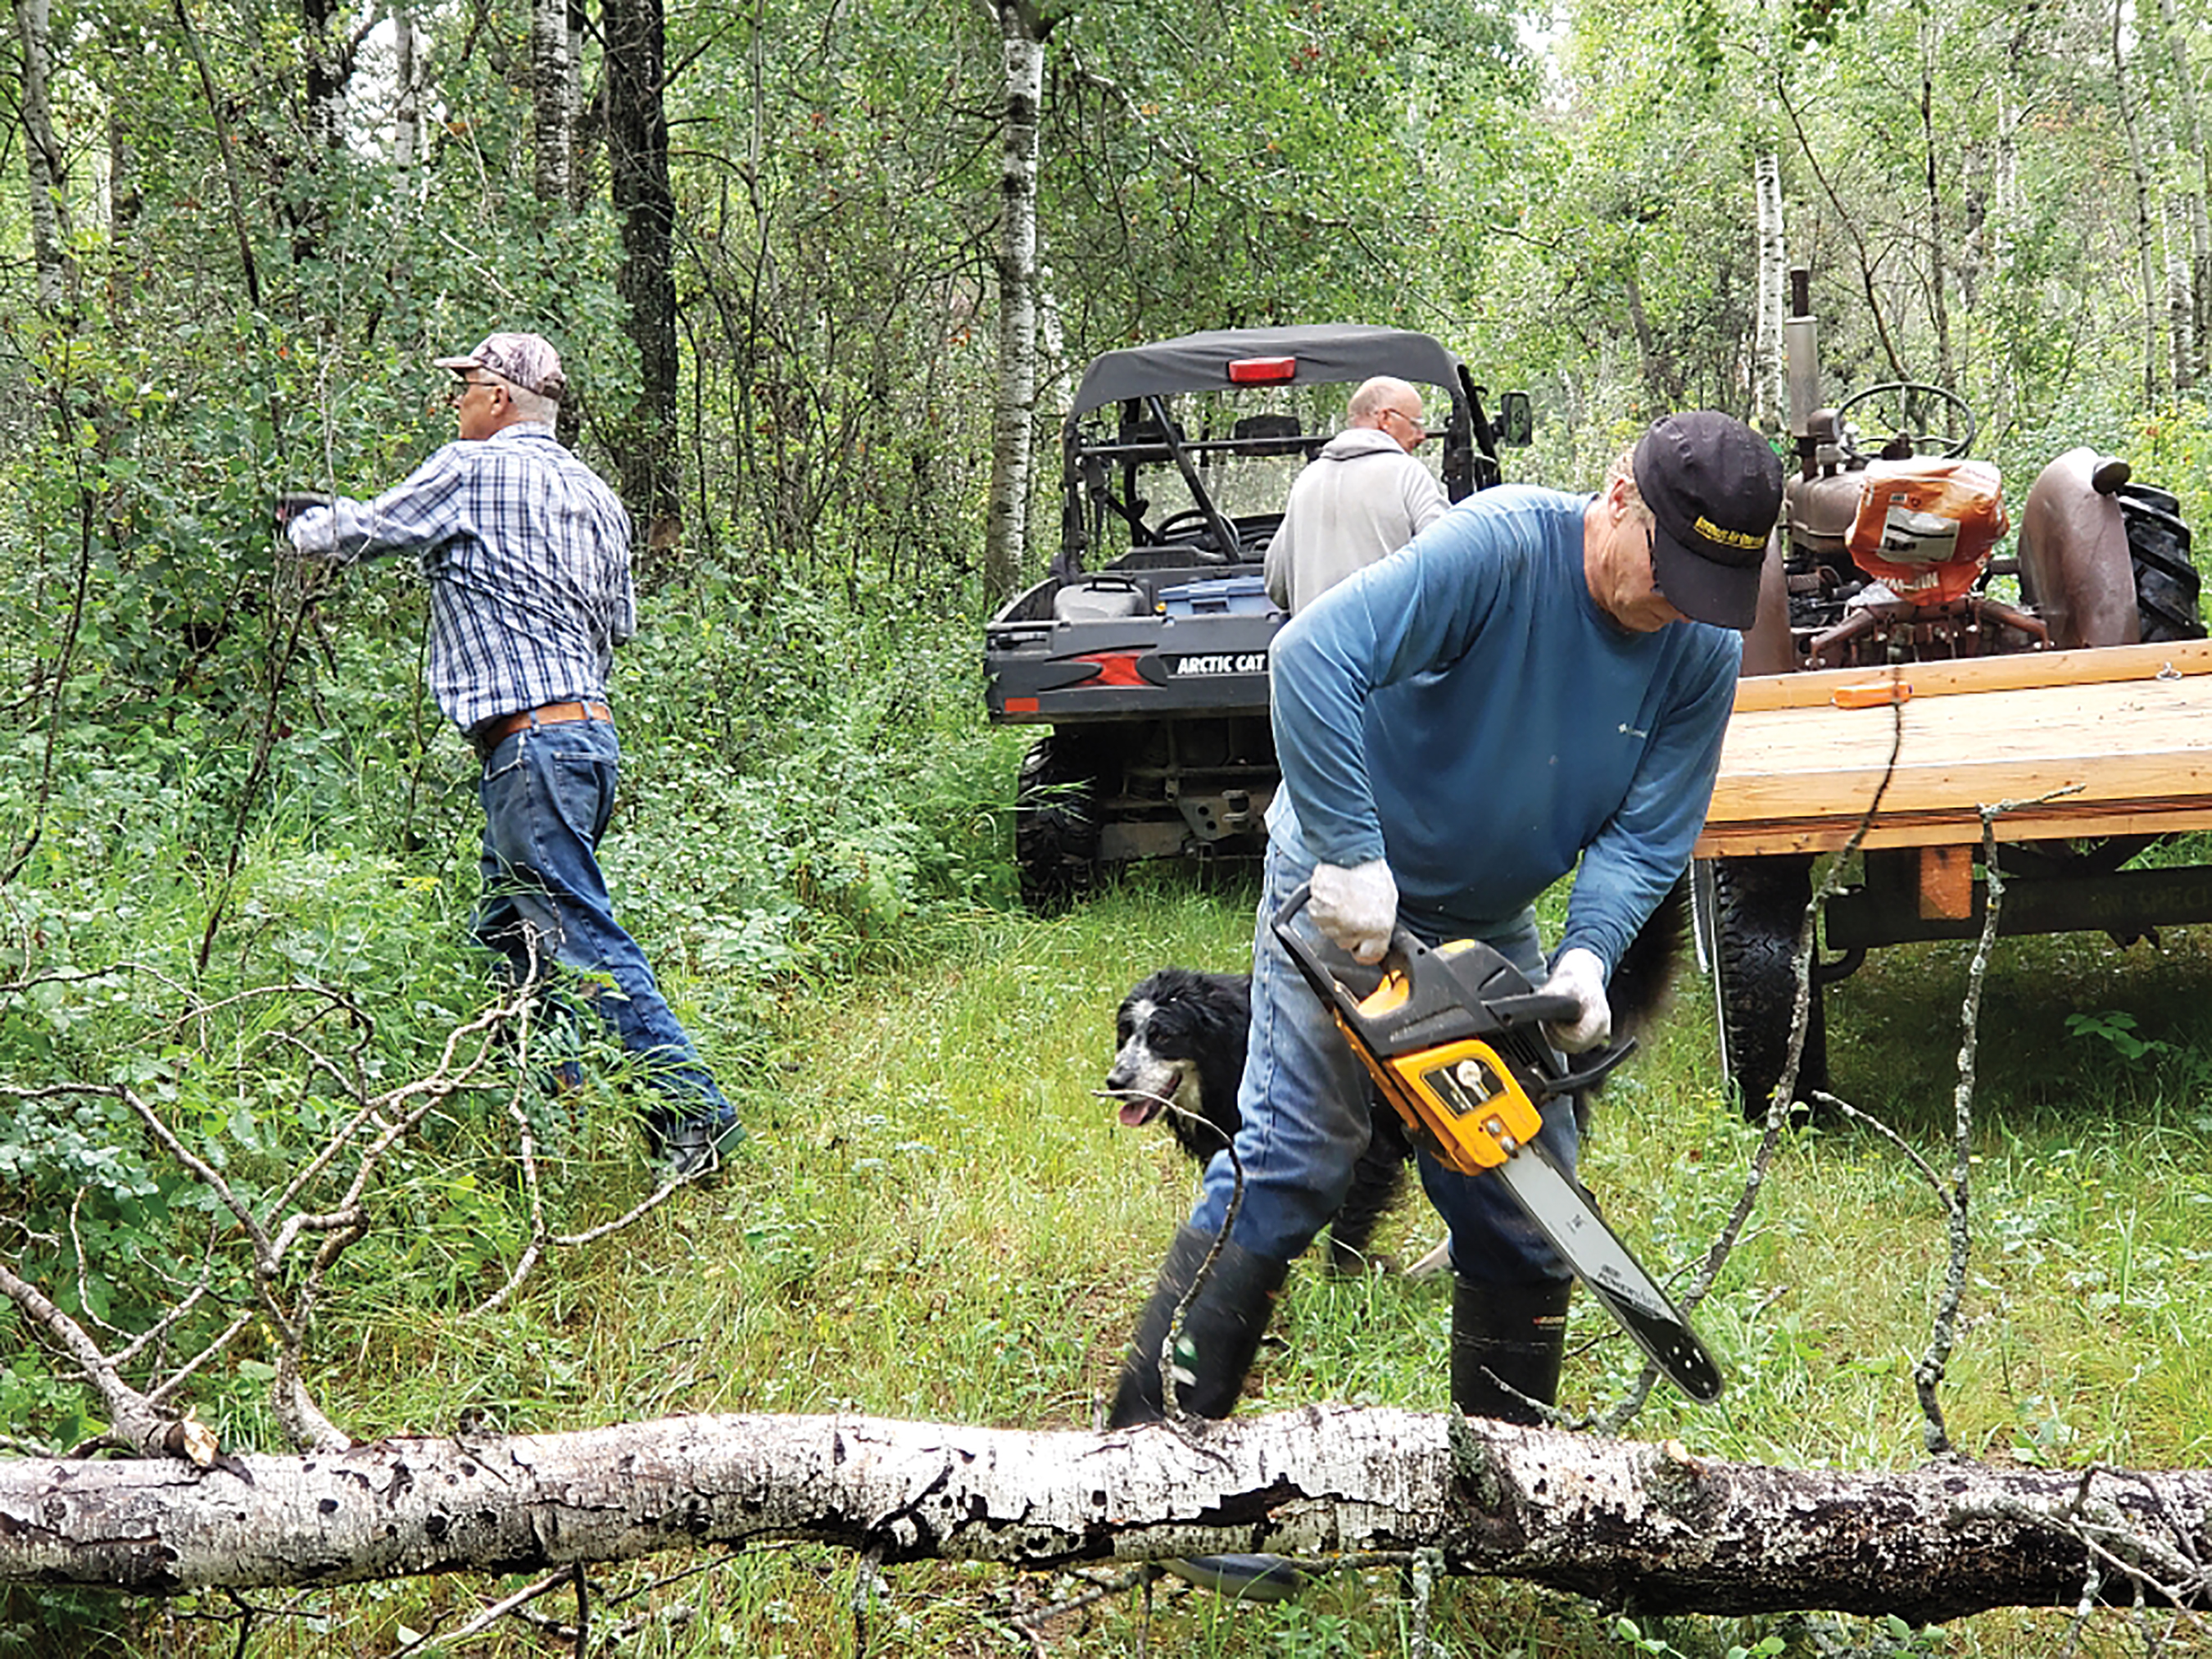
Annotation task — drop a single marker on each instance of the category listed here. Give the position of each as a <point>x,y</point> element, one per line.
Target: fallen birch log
<point>1651,1528</point>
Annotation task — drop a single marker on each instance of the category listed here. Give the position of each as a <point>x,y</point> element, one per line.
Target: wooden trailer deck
<point>2126,731</point>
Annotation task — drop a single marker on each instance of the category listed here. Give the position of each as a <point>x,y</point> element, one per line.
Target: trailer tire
<point>1759,904</point>
<point>2168,590</point>
<point>1056,823</point>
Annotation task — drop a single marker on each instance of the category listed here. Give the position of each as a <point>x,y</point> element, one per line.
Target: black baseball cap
<point>1714,487</point>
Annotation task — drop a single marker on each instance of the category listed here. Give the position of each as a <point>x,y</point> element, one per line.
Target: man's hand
<point>313,529</point>
<point>1579,974</point>
<point>1356,907</point>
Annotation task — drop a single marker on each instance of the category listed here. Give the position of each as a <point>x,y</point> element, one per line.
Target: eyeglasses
<point>1412,423</point>
<point>465,385</point>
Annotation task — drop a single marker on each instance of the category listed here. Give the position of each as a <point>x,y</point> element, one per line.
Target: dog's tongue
<point>1135,1113</point>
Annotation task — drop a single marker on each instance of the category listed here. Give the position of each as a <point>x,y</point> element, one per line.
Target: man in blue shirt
<point>1536,683</point>
<point>527,555</point>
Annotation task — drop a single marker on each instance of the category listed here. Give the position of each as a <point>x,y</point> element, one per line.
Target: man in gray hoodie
<point>1363,497</point>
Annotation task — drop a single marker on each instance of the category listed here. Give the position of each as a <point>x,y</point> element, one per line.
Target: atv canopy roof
<point>1326,354</point>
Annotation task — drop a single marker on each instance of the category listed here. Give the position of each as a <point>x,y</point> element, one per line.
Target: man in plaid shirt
<point>527,555</point>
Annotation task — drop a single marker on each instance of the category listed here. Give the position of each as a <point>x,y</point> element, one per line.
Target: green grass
<point>935,1219</point>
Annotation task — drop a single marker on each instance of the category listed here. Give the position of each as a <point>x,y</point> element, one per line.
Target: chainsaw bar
<point>1615,1278</point>
<point>1449,1033</point>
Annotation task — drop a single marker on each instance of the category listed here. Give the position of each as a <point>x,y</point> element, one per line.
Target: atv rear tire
<point>1056,822</point>
<point>1758,905</point>
<point>2168,587</point>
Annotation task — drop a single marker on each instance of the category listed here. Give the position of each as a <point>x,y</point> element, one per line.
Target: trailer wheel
<point>1758,905</point>
<point>2168,590</point>
<point>1056,822</point>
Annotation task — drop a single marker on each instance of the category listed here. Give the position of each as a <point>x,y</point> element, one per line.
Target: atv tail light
<point>1262,371</point>
<point>1115,668</point>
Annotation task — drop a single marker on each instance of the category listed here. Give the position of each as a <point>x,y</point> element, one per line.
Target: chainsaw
<point>1452,1036</point>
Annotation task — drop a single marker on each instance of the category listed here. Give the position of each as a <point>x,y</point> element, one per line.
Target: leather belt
<point>493,733</point>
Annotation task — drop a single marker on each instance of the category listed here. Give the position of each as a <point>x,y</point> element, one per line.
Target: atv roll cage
<point>1102,464</point>
<point>1145,646</point>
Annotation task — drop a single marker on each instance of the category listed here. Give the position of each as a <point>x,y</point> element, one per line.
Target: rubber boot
<point>1507,1343</point>
<point>1220,1336</point>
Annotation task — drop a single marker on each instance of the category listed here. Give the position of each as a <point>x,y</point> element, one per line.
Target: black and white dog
<point>1180,1036</point>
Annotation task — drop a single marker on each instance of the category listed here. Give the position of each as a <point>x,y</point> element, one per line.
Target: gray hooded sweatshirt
<point>1361,498</point>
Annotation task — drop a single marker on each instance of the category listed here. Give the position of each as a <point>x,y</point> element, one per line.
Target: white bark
<point>2190,323</point>
<point>552,80</point>
<point>44,165</point>
<point>1623,1521</point>
<point>407,112</point>
<point>1006,527</point>
<point>2146,233</point>
<point>1771,376</point>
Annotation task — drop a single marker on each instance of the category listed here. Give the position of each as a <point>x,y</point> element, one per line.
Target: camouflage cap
<point>527,360</point>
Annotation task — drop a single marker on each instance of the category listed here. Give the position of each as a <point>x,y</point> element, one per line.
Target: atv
<point>1889,555</point>
<point>1145,648</point>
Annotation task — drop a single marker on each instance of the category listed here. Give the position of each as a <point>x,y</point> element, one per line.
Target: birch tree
<point>407,107</point>
<point>1771,403</point>
<point>2145,224</point>
<point>45,163</point>
<point>2192,304</point>
<point>1022,28</point>
<point>552,85</point>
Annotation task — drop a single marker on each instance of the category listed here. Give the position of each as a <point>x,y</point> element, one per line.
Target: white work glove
<point>1356,907</point>
<point>313,529</point>
<point>1579,974</point>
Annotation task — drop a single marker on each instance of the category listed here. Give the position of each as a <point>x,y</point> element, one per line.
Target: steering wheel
<point>1912,402</point>
<point>1195,517</point>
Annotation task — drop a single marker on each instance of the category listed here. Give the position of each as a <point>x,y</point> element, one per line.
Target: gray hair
<point>1623,470</point>
<point>532,405</point>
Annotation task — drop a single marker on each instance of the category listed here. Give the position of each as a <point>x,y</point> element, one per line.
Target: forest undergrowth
<point>934,1216</point>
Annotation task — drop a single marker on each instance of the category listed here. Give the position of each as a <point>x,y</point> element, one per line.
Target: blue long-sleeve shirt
<point>1465,709</point>
<point>527,554</point>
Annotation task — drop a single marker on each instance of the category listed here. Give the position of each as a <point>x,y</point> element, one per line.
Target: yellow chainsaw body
<point>1460,1098</point>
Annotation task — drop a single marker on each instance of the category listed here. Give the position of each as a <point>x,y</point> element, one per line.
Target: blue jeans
<point>1303,1101</point>
<point>547,791</point>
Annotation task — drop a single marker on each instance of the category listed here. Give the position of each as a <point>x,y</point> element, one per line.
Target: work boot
<point>683,1147</point>
<point>1220,1336</point>
<point>1506,1346</point>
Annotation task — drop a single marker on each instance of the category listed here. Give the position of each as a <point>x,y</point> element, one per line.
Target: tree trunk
<point>2180,300</point>
<point>407,111</point>
<point>637,154</point>
<point>1629,1523</point>
<point>2199,300</point>
<point>1013,413</point>
<point>551,85</point>
<point>1770,378</point>
<point>328,69</point>
<point>44,164</point>
<point>1939,242</point>
<point>2146,245</point>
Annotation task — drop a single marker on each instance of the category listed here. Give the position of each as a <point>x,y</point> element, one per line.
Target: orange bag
<point>1926,526</point>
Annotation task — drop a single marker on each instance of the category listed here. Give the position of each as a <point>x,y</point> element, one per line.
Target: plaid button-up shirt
<point>527,554</point>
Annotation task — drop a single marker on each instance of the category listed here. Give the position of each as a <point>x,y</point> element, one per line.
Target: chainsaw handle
<point>1542,1007</point>
<point>1404,953</point>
